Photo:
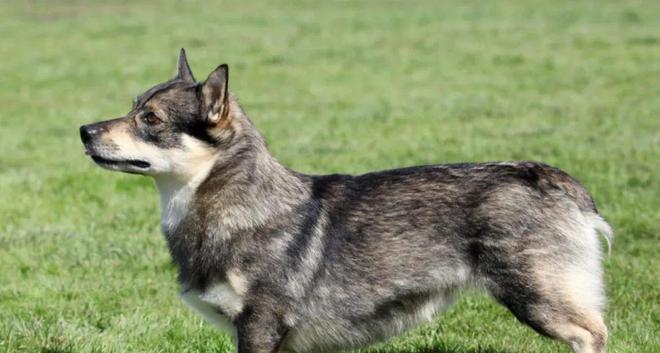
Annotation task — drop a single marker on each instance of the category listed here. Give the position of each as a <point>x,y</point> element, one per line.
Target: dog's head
<point>172,128</point>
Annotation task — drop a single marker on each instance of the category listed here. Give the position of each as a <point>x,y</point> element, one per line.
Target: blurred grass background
<point>335,87</point>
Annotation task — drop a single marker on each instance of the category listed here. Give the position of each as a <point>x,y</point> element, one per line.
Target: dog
<point>285,261</point>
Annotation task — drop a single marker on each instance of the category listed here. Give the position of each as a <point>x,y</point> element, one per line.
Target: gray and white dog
<point>307,263</point>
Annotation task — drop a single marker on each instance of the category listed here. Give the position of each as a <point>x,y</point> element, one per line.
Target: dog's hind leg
<point>554,286</point>
<point>589,336</point>
<point>552,313</point>
<point>583,330</point>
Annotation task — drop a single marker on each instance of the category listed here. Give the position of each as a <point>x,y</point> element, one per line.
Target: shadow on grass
<point>439,349</point>
<point>447,350</point>
<point>435,347</point>
<point>421,350</point>
<point>56,350</point>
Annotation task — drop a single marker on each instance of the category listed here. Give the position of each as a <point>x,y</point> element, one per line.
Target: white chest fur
<point>188,167</point>
<point>218,305</point>
<point>175,206</point>
<point>221,303</point>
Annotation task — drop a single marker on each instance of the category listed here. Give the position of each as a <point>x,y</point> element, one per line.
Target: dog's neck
<point>242,188</point>
<point>248,190</point>
<point>177,191</point>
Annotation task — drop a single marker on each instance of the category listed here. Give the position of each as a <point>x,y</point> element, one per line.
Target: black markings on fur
<point>151,92</point>
<point>303,234</point>
<point>385,227</point>
<point>259,331</point>
<point>183,106</point>
<point>221,312</point>
<point>392,239</point>
<point>397,306</point>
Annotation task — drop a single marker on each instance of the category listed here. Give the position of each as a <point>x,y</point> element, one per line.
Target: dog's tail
<point>579,194</point>
<point>587,206</point>
<point>601,226</point>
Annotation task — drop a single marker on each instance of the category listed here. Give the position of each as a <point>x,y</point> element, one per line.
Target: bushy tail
<point>602,227</point>
<point>559,179</point>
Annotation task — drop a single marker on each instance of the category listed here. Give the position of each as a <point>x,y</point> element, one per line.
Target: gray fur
<point>319,263</point>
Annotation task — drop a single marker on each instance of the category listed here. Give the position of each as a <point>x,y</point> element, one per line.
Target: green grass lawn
<point>341,87</point>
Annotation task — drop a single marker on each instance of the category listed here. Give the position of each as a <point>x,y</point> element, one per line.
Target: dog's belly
<point>218,305</point>
<point>328,332</point>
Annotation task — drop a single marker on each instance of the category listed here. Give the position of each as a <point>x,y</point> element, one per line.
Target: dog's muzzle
<point>91,137</point>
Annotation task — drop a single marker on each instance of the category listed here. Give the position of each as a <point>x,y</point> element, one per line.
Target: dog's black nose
<point>90,132</point>
<point>86,133</point>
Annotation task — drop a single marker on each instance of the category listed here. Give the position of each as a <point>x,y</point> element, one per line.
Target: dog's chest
<point>219,304</point>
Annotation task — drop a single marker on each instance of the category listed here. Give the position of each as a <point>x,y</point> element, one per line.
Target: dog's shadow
<point>423,350</point>
<point>55,350</point>
<point>449,350</point>
<point>455,349</point>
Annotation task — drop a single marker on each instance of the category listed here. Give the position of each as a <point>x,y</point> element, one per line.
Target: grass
<point>335,87</point>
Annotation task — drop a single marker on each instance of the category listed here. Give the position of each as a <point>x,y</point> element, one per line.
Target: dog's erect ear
<point>215,95</point>
<point>183,70</point>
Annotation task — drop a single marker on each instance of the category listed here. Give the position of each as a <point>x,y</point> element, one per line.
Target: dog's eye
<point>151,119</point>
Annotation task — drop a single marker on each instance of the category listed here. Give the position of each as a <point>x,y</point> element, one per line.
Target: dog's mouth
<point>118,163</point>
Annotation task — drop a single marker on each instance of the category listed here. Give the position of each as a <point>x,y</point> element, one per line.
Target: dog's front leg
<point>259,331</point>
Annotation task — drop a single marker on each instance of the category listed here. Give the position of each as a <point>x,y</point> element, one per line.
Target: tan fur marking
<point>581,339</point>
<point>237,281</point>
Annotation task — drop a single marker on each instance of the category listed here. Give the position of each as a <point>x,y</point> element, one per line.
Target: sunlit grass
<point>335,87</point>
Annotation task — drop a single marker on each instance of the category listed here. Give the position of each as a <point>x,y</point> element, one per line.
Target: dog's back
<point>397,245</point>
